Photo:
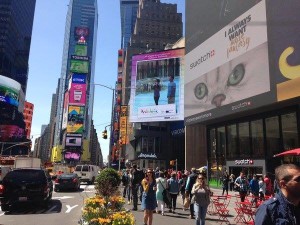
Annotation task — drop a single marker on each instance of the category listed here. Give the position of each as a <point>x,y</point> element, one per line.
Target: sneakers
<point>191,217</point>
<point>162,214</point>
<point>134,209</point>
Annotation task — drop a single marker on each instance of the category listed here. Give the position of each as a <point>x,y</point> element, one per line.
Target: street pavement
<point>182,217</point>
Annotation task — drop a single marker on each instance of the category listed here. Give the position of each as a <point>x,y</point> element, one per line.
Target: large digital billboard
<point>10,133</point>
<point>77,94</point>
<point>79,64</point>
<point>157,86</point>
<point>81,50</point>
<point>65,110</point>
<point>229,71</point>
<point>75,119</point>
<point>9,91</point>
<point>284,42</point>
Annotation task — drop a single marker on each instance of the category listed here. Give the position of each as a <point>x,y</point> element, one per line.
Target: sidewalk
<point>181,217</point>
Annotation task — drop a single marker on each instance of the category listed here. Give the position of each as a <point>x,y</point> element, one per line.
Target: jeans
<point>134,193</point>
<point>173,200</point>
<point>200,214</point>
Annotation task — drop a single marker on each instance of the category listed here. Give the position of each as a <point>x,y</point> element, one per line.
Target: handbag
<point>192,200</point>
<point>166,196</point>
<point>187,202</point>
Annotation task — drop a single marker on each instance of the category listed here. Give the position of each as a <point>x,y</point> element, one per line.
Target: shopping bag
<point>187,202</point>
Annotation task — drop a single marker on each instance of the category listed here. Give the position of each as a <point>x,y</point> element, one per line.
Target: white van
<point>87,173</point>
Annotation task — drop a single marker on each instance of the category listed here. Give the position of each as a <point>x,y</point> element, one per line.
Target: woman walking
<point>174,190</point>
<point>149,197</point>
<point>161,185</point>
<point>202,199</point>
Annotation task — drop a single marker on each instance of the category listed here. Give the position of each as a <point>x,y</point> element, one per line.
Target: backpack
<point>125,180</point>
<point>191,183</point>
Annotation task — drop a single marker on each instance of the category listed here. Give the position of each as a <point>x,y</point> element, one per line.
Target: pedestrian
<point>149,196</point>
<point>171,90</point>
<point>225,182</point>
<point>284,207</point>
<point>173,186</point>
<point>201,194</point>
<point>254,188</point>
<point>268,183</point>
<point>156,88</point>
<point>231,182</point>
<point>161,185</point>
<point>262,189</point>
<point>137,177</point>
<point>242,184</point>
<point>125,182</point>
<point>182,184</point>
<point>188,189</point>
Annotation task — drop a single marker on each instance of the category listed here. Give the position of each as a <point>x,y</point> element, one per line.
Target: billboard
<point>79,64</point>
<point>65,111</point>
<point>284,41</point>
<point>81,32</point>
<point>77,94</point>
<point>75,119</point>
<point>9,91</point>
<point>73,142</point>
<point>10,133</point>
<point>81,50</point>
<point>229,71</point>
<point>73,156</point>
<point>157,86</point>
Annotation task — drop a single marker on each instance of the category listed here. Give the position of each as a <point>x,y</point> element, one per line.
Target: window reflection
<point>257,134</point>
<point>244,141</point>
<point>272,136</point>
<point>289,131</point>
<point>232,152</point>
<point>221,145</point>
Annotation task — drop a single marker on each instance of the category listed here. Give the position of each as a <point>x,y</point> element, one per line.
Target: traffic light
<point>172,162</point>
<point>104,134</point>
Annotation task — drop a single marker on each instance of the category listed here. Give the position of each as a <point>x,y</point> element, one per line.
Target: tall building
<point>157,25</point>
<point>15,38</point>
<point>128,9</point>
<point>16,21</point>
<point>78,66</point>
<point>28,114</point>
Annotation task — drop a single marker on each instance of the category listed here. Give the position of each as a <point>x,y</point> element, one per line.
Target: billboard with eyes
<point>229,71</point>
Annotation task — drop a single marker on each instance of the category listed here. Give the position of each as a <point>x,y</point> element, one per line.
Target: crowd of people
<point>149,186</point>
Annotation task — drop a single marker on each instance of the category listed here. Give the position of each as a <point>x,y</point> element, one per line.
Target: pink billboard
<point>77,94</point>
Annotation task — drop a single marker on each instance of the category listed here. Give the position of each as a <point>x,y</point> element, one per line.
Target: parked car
<point>87,173</point>
<point>67,181</point>
<point>25,185</point>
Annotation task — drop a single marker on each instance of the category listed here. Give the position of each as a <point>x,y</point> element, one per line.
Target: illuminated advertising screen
<point>229,71</point>
<point>11,133</point>
<point>81,32</point>
<point>9,91</point>
<point>79,64</point>
<point>73,142</point>
<point>74,156</point>
<point>77,94</point>
<point>65,111</point>
<point>157,86</point>
<point>78,78</point>
<point>81,50</point>
<point>75,119</point>
<point>284,41</point>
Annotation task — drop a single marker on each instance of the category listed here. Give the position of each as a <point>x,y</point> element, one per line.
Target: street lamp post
<point>112,118</point>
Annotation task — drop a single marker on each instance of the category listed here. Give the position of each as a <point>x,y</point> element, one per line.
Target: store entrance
<point>249,171</point>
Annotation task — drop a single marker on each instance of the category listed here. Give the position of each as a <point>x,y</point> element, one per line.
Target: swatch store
<point>242,89</point>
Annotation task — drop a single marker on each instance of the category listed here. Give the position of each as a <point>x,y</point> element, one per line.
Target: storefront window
<point>144,144</point>
<point>221,145</point>
<point>151,144</point>
<point>272,136</point>
<point>157,145</point>
<point>257,135</point>
<point>244,140</point>
<point>232,152</point>
<point>289,131</point>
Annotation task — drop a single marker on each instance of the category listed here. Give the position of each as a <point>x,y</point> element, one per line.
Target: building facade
<point>157,25</point>
<point>75,106</point>
<point>16,21</point>
<point>241,100</point>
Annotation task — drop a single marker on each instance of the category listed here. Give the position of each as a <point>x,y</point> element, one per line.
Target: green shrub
<point>107,182</point>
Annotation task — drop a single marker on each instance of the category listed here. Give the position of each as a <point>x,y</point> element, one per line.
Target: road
<point>64,208</point>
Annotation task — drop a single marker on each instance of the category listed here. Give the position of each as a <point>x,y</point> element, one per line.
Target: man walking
<point>284,207</point>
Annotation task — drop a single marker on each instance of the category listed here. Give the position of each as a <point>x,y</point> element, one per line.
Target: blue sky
<point>46,54</point>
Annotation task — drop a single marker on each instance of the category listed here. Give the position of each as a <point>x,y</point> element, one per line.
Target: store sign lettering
<point>147,156</point>
<point>244,162</point>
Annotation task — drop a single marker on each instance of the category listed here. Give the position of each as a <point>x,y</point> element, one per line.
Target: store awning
<point>289,153</point>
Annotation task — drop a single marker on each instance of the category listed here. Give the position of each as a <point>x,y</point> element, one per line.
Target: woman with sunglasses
<point>149,197</point>
<point>201,194</point>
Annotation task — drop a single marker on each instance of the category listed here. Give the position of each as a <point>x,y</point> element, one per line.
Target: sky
<point>46,56</point>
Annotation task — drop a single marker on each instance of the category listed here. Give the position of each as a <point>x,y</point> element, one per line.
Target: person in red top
<point>268,183</point>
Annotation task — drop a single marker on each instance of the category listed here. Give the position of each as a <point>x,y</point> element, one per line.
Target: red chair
<point>222,212</point>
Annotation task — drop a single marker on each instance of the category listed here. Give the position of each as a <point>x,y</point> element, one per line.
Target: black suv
<point>25,185</point>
